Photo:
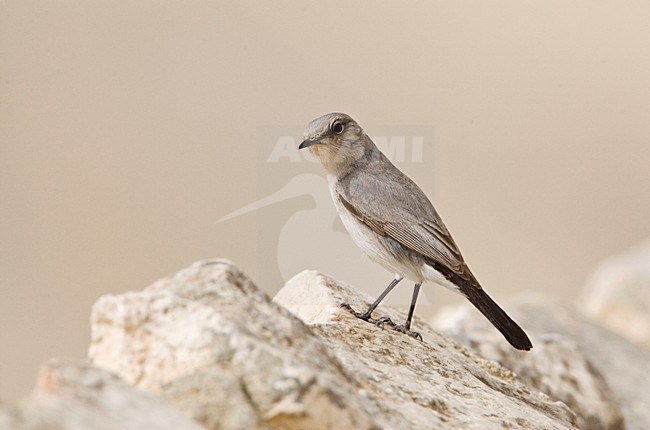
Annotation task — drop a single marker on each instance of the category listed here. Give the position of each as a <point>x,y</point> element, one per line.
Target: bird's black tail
<point>488,307</point>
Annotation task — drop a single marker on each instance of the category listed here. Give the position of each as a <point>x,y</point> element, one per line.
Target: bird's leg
<point>366,316</point>
<point>406,328</point>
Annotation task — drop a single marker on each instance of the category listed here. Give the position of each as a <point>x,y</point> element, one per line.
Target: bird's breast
<point>362,235</point>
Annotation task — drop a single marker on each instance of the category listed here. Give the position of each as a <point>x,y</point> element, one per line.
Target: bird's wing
<point>408,217</point>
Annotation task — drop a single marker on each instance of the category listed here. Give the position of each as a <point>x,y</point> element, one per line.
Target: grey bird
<point>394,223</point>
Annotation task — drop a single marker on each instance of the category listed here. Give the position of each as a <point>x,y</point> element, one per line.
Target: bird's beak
<point>307,143</point>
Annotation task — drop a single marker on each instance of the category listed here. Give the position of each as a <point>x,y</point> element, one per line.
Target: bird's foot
<point>379,322</point>
<point>403,329</point>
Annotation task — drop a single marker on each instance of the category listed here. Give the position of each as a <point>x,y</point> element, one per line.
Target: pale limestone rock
<point>601,376</point>
<point>556,366</point>
<point>417,385</point>
<point>618,295</point>
<point>77,396</point>
<point>213,345</point>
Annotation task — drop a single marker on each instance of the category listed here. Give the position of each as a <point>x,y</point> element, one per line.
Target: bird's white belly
<point>373,246</point>
<point>363,237</point>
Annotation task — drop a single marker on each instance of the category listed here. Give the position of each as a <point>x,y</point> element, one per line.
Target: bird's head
<point>338,142</point>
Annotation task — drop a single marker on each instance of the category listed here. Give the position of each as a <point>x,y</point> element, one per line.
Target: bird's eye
<point>337,127</point>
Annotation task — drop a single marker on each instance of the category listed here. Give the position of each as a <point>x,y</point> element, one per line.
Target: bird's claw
<point>379,322</point>
<point>413,334</point>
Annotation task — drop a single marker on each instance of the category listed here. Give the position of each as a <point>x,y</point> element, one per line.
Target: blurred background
<point>130,131</point>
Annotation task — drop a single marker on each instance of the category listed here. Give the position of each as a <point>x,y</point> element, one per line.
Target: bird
<point>393,222</point>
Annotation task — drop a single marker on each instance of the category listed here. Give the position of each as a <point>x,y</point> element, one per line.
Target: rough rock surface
<point>76,396</point>
<point>618,295</point>
<point>215,347</point>
<point>428,384</point>
<point>556,366</point>
<point>600,375</point>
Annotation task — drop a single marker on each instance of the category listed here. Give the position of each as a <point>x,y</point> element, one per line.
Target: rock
<point>556,366</point>
<point>586,366</point>
<point>618,295</point>
<point>212,345</point>
<point>76,396</point>
<point>429,384</point>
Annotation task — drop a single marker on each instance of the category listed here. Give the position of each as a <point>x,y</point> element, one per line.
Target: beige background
<point>128,128</point>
